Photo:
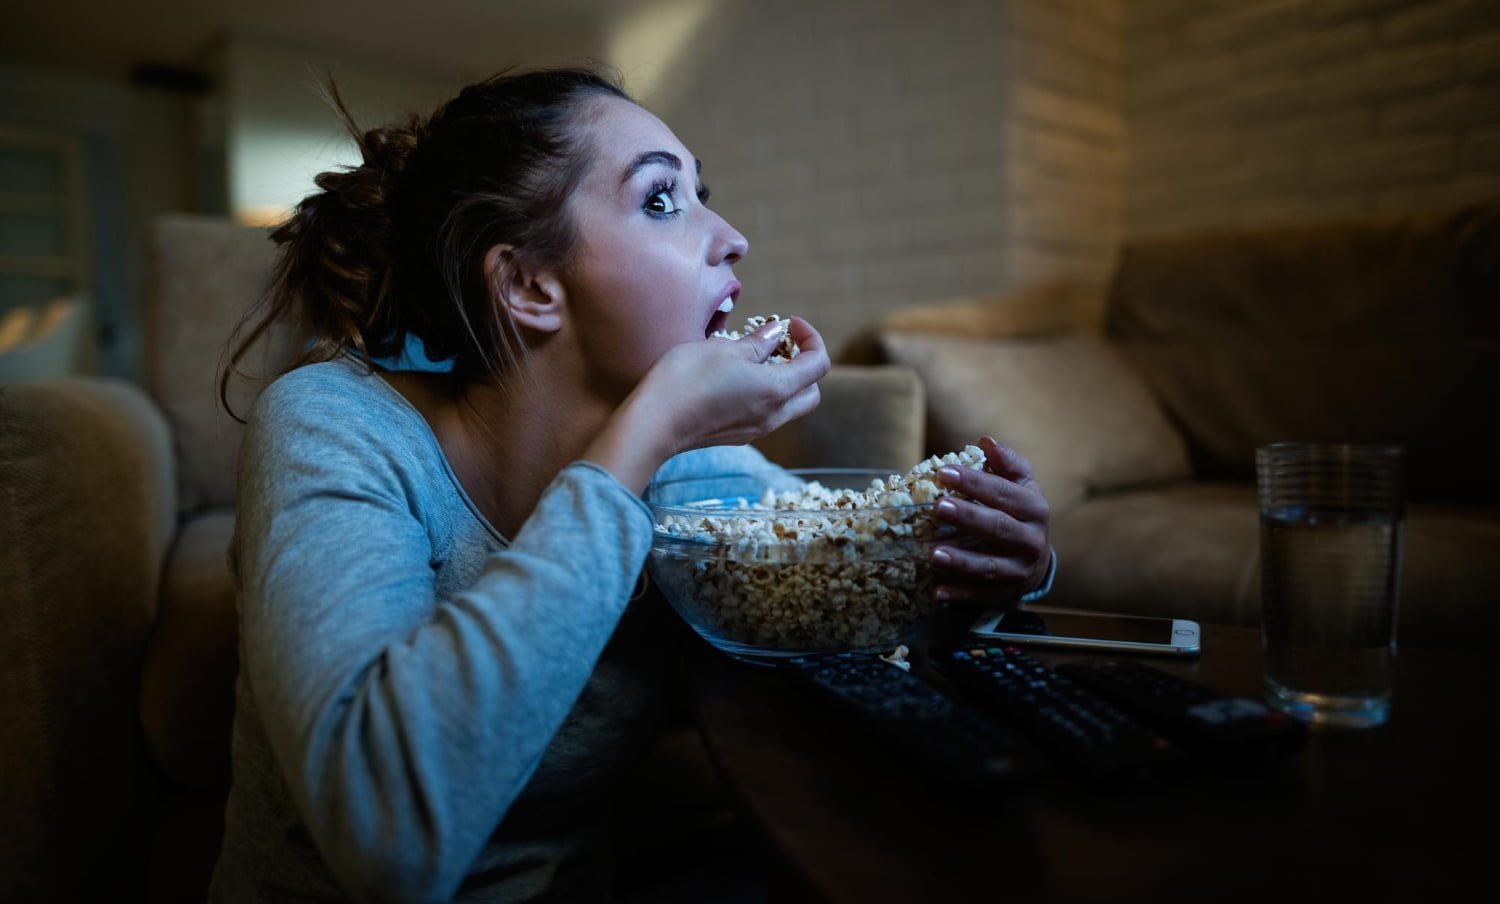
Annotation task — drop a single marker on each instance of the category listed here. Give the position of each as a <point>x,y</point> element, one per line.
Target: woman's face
<point>653,264</point>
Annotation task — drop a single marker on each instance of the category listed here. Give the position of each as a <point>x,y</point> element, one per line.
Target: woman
<point>437,687</point>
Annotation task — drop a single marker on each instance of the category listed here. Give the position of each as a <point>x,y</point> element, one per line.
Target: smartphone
<point>1091,631</point>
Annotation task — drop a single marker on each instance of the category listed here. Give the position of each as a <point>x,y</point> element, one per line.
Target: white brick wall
<point>1254,111</point>
<point>885,153</point>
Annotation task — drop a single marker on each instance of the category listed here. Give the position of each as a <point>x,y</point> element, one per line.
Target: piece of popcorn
<point>897,657</point>
<point>786,349</point>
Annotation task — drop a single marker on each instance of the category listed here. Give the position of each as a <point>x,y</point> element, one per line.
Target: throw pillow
<point>1069,403</point>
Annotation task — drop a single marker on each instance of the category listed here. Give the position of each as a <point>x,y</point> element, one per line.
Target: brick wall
<point>1065,159</point>
<point>884,153</point>
<point>1256,111</point>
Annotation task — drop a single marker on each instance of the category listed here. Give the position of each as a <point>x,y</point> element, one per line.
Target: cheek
<point>648,301</point>
<point>629,315</point>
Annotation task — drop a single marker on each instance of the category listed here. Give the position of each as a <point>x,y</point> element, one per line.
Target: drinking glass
<point>1330,545</point>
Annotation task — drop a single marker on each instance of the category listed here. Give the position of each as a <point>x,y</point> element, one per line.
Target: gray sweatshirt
<point>427,710</point>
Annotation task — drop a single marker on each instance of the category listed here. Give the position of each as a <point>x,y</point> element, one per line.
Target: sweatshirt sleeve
<point>404,725</point>
<point>717,461</point>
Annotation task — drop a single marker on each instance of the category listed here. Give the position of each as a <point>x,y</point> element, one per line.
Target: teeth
<point>726,305</point>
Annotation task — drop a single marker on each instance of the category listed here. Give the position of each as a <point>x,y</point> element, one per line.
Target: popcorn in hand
<point>785,350</point>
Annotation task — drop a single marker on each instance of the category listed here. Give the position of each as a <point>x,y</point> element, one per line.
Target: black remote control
<point>955,741</point>
<point>1090,734</point>
<point>1208,722</point>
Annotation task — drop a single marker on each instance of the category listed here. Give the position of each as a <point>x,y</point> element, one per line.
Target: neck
<point>507,444</point>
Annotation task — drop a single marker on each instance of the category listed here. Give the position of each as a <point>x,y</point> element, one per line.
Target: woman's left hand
<point>1001,550</point>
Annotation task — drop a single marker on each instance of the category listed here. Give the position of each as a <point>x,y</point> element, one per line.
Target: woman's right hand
<point>711,393</point>
<point>720,392</point>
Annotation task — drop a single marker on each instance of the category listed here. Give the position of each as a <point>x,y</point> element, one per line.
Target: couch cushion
<point>1069,403</point>
<point>1193,551</point>
<point>1383,332</point>
<point>208,273</point>
<point>1186,551</point>
<point>187,686</point>
<point>1450,578</point>
<point>869,417</point>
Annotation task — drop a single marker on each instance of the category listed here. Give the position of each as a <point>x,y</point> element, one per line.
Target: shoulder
<point>341,391</point>
<point>337,435</point>
<point>334,415</point>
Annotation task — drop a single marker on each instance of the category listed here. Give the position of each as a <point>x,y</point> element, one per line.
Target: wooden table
<point>1408,808</point>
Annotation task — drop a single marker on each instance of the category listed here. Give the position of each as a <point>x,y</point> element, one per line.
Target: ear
<point>533,297</point>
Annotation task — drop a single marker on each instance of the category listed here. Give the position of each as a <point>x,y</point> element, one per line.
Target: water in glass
<point>1330,583</point>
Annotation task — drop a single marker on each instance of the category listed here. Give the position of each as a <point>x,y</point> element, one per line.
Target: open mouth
<point>719,322</point>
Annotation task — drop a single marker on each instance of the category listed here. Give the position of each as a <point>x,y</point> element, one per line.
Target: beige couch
<point>117,627</point>
<point>1141,405</point>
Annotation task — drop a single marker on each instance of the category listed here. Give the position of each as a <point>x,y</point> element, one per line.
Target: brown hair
<point>396,245</point>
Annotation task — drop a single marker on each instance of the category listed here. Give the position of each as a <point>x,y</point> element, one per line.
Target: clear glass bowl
<point>762,584</point>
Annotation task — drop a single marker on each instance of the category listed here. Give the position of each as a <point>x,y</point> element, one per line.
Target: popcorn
<point>897,657</point>
<point>785,350</point>
<point>813,567</point>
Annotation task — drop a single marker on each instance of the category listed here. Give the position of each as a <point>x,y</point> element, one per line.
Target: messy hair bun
<point>395,246</point>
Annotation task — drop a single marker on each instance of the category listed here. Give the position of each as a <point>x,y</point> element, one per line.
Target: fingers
<point>982,566</point>
<point>759,345</point>
<point>804,371</point>
<point>812,361</point>
<point>801,404</point>
<point>973,591</point>
<point>992,524</point>
<point>1023,502</point>
<point>979,575</point>
<point>804,335</point>
<point>1007,511</point>
<point>1006,462</point>
<point>774,395</point>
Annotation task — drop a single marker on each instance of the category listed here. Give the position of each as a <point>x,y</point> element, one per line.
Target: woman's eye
<point>661,202</point>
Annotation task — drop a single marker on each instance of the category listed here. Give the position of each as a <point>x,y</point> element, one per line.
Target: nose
<point>729,246</point>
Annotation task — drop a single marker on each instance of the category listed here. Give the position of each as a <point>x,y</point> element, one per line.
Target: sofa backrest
<point>1376,331</point>
<point>207,274</point>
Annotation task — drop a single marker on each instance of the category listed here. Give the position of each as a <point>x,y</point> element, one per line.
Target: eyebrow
<point>666,158</point>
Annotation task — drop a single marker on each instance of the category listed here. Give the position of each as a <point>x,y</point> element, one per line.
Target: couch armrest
<point>868,417</point>
<point>1070,403</point>
<point>87,509</point>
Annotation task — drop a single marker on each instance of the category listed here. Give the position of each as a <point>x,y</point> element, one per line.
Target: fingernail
<point>946,507</point>
<point>942,594</point>
<point>942,557</point>
<point>949,475</point>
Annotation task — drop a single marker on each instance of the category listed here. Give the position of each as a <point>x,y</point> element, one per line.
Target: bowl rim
<point>689,509</point>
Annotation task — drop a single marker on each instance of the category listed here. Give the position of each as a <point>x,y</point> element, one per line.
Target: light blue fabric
<point>408,677</point>
<point>413,356</point>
